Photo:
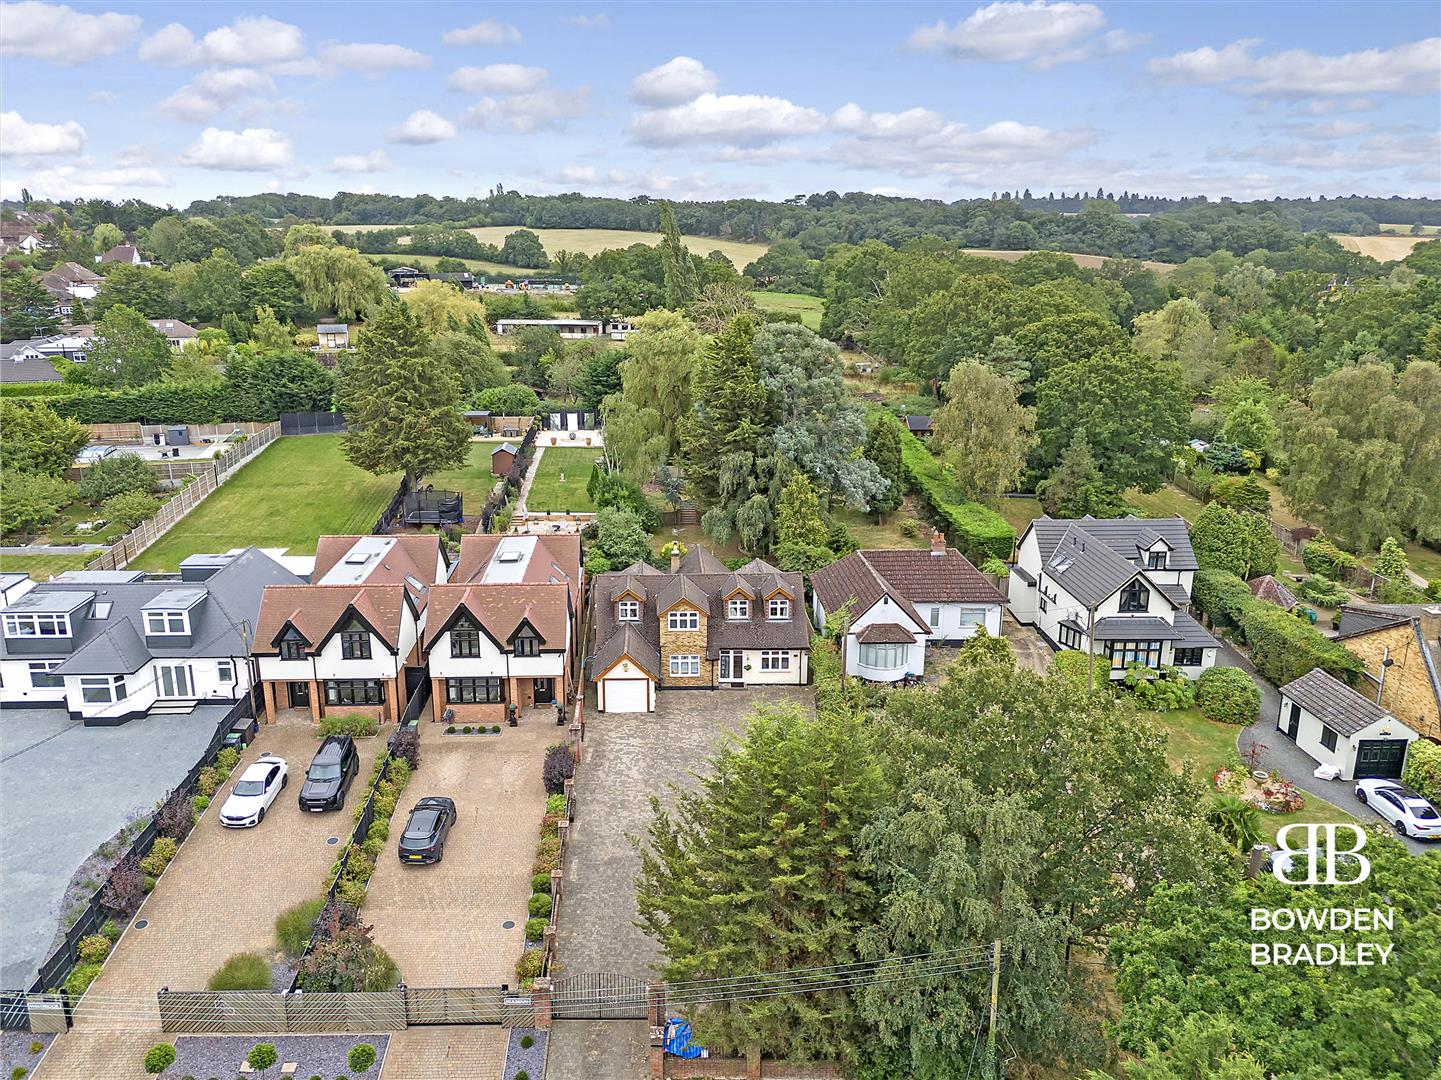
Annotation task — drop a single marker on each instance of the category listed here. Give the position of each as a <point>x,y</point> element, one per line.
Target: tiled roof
<point>933,577</point>
<point>1121,535</point>
<point>853,577</point>
<point>1087,568</point>
<point>1267,588</point>
<point>316,610</point>
<point>680,588</point>
<point>500,609</point>
<point>552,558</point>
<point>408,560</point>
<point>1136,628</point>
<point>887,633</point>
<point>1193,634</point>
<point>1333,703</point>
<point>121,253</point>
<point>629,641</point>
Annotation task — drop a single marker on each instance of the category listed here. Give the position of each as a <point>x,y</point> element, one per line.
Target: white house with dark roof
<point>109,647</point>
<point>901,600</point>
<point>1341,729</point>
<point>1118,586</point>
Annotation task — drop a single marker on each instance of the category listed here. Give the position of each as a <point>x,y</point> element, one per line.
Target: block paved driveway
<point>64,790</point>
<point>628,758</point>
<point>443,924</point>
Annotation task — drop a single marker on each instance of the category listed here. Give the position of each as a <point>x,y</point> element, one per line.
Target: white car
<point>1408,813</point>
<point>254,792</point>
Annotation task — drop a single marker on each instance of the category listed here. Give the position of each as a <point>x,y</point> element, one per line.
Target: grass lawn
<point>808,307</point>
<point>42,567</point>
<point>1209,745</point>
<point>868,534</point>
<point>295,490</point>
<point>690,536</point>
<point>1020,512</point>
<point>473,480</point>
<point>1165,501</point>
<point>561,479</point>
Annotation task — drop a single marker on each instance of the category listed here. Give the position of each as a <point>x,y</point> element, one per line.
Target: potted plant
<point>512,715</point>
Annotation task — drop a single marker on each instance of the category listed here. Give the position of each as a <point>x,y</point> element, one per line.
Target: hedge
<point>1320,556</point>
<point>1222,595</point>
<point>35,389</point>
<point>155,403</point>
<point>977,531</point>
<point>1284,647</point>
<point>1423,769</point>
<point>1229,695</point>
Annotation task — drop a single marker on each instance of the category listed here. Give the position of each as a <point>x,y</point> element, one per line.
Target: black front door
<point>544,691</point>
<point>1380,757</point>
<point>299,693</point>
<point>1293,722</point>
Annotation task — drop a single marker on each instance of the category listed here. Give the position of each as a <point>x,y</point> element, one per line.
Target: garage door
<point>1380,757</point>
<point>627,695</point>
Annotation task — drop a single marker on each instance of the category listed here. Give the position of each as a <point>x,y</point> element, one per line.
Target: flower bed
<point>477,729</point>
<point>1271,795</point>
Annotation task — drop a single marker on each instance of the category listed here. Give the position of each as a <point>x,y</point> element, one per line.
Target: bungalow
<point>110,646</point>
<point>178,335</point>
<point>23,362</point>
<point>566,328</point>
<point>900,600</point>
<point>700,626</point>
<point>502,631</point>
<point>19,236</point>
<point>333,336</point>
<point>70,279</point>
<point>122,253</point>
<point>1345,732</point>
<point>1118,588</point>
<point>350,641</point>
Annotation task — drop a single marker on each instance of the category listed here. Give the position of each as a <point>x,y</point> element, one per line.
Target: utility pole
<point>995,999</point>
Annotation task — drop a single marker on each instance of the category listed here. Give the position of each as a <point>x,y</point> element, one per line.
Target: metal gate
<point>600,995</point>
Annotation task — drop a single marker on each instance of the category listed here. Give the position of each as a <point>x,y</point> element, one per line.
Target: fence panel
<point>312,423</point>
<point>382,1011</point>
<point>453,1005</point>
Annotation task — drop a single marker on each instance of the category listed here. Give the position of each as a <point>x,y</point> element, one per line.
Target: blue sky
<point>171,102</point>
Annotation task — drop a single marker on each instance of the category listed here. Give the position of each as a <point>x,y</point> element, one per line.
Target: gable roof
<point>923,576</point>
<point>550,558</point>
<point>1333,702</point>
<point>853,577</point>
<point>501,609</point>
<point>121,253</point>
<point>317,611</point>
<point>174,328</point>
<point>629,641</point>
<point>27,368</point>
<point>1090,569</point>
<point>408,560</point>
<point>1121,535</point>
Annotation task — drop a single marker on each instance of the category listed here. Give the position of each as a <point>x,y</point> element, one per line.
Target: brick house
<point>349,642</point>
<point>1400,644</point>
<point>698,626</point>
<point>502,630</point>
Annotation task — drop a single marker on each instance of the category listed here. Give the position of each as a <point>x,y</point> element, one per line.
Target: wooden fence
<point>133,434</point>
<point>187,499</point>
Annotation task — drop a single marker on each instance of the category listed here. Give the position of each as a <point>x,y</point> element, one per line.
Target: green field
<point>1165,501</point>
<point>868,534</point>
<point>43,567</point>
<point>297,489</point>
<point>807,307</point>
<point>1020,512</point>
<point>473,480</point>
<point>590,241</point>
<point>561,478</point>
<point>475,266</point>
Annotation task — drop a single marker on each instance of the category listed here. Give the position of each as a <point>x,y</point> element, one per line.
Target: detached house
<point>122,253</point>
<point>700,626</point>
<point>1400,644</point>
<point>901,600</point>
<point>502,631</point>
<point>1118,586</point>
<point>19,236</point>
<point>350,641</point>
<point>110,646</point>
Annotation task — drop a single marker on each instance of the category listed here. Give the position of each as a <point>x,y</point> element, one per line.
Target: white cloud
<point>739,119</point>
<point>214,91</point>
<point>371,58</point>
<point>1043,33</point>
<point>251,150</point>
<point>21,138</point>
<point>673,83</point>
<point>62,34</point>
<point>422,126</point>
<point>587,22</point>
<point>72,181</point>
<point>1376,154</point>
<point>375,161</point>
<point>497,79</point>
<point>102,97</point>
<point>250,39</point>
<point>543,108</point>
<point>136,155</point>
<point>1414,68</point>
<point>485,32</point>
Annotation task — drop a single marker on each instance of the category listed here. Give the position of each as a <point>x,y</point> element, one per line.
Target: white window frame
<point>165,623</point>
<point>778,608</point>
<point>112,686</point>
<point>935,619</point>
<point>44,668</point>
<point>738,608</point>
<point>682,619</point>
<point>775,660</point>
<point>973,617</point>
<point>627,611</point>
<point>225,671</point>
<point>41,624</point>
<point>870,655</point>
<point>684,664</point>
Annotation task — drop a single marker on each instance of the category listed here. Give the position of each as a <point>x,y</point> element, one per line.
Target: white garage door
<point>628,695</point>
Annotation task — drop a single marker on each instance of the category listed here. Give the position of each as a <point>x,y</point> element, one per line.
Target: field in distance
<point>1428,232</point>
<point>1382,248</point>
<point>1090,262</point>
<point>591,241</point>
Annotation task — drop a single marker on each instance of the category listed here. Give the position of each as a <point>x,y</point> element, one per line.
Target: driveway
<point>64,790</point>
<point>1031,652</point>
<point>1294,764</point>
<point>444,925</point>
<point>628,758</point>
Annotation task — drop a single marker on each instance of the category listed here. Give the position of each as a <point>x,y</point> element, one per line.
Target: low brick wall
<point>735,1069</point>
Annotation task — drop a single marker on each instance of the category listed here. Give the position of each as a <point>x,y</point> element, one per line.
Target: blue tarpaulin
<point>677,1039</point>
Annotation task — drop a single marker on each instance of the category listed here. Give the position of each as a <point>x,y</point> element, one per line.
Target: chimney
<point>1431,625</point>
<point>938,543</point>
<point>675,558</point>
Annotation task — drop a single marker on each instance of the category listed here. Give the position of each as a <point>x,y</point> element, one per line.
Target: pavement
<point>1031,652</point>
<point>447,1053</point>
<point>65,789</point>
<point>52,549</point>
<point>1295,765</point>
<point>444,925</point>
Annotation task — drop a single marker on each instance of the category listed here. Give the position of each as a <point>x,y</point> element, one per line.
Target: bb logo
<point>1317,852</point>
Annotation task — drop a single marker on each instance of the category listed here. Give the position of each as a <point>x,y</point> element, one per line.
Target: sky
<point>170,102</point>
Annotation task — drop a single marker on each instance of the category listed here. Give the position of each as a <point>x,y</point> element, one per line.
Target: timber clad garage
<point>1340,728</point>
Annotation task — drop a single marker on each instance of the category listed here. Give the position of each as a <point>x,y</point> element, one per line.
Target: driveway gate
<point>600,995</point>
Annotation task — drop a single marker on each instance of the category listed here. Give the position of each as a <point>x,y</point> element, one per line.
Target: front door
<point>1293,722</point>
<point>299,695</point>
<point>731,665</point>
<point>544,691</point>
<point>173,681</point>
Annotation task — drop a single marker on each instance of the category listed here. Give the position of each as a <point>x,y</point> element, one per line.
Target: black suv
<point>331,771</point>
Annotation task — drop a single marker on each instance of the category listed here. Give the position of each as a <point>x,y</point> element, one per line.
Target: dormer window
<point>166,623</point>
<point>1135,597</point>
<point>627,611</point>
<point>738,607</point>
<point>1156,560</point>
<point>684,619</point>
<point>525,645</point>
<point>37,625</point>
<point>355,641</point>
<point>292,646</point>
<point>778,607</point>
<point>464,638</point>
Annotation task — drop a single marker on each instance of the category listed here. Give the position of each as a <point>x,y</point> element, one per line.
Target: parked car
<point>331,771</point>
<point>1408,812</point>
<point>426,829</point>
<point>254,792</point>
